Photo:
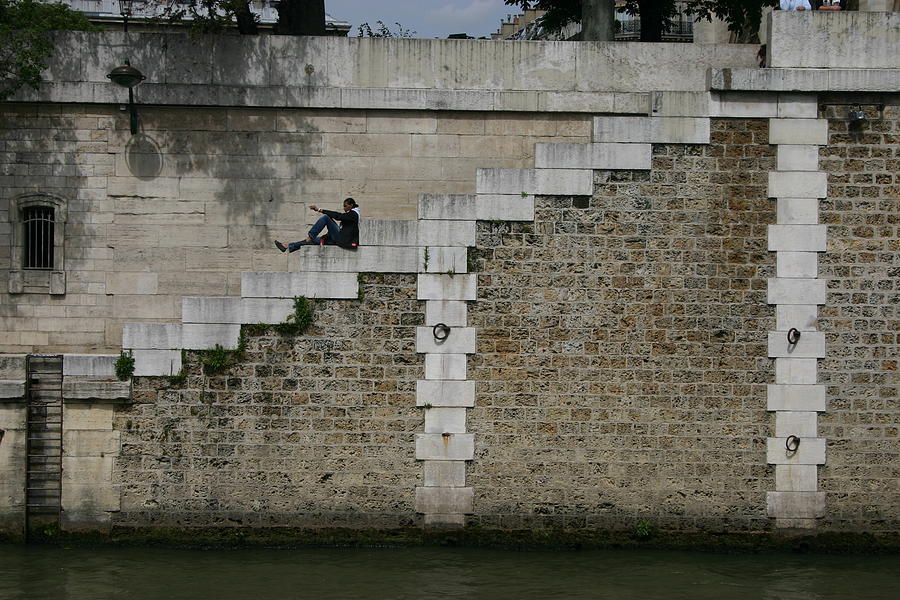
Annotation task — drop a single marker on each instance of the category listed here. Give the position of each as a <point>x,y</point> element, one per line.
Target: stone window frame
<point>38,281</point>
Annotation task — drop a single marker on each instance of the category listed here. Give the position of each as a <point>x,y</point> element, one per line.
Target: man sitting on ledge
<point>345,234</point>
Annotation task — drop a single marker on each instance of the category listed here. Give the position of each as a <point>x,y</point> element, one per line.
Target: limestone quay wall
<point>332,72</point>
<point>196,198</point>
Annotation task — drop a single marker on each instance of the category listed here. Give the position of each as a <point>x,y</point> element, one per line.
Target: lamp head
<point>126,76</point>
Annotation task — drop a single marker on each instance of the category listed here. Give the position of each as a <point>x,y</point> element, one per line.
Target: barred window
<point>38,222</point>
<point>37,247</point>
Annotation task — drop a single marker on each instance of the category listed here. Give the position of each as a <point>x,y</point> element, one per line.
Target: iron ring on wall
<point>793,336</point>
<point>792,443</point>
<point>438,329</point>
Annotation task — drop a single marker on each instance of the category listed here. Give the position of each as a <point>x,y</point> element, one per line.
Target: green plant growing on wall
<point>298,321</point>
<point>643,530</point>
<point>125,365</point>
<point>217,359</point>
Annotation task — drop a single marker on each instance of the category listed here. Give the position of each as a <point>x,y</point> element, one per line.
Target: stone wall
<point>308,431</point>
<point>860,321</point>
<point>196,198</point>
<point>621,363</point>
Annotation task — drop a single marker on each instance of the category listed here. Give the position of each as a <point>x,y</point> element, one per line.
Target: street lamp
<point>125,9</point>
<point>128,76</point>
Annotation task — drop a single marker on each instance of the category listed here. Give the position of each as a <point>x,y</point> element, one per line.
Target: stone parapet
<point>830,40</point>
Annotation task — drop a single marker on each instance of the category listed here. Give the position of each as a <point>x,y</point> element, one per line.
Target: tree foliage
<point>383,31</point>
<point>210,16</point>
<point>25,43</point>
<point>657,16</point>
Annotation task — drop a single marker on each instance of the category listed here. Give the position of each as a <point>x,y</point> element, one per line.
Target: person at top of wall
<point>829,4</point>
<point>343,228</point>
<point>795,5</point>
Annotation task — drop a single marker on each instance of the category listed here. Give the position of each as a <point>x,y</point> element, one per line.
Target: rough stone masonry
<point>622,257</point>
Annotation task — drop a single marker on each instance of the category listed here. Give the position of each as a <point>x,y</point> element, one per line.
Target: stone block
<point>81,500</point>
<point>796,478</point>
<point>12,417</point>
<point>797,211</point>
<point>802,265</point>
<point>681,104</point>
<point>798,131</point>
<point>798,106</point>
<point>447,287</point>
<point>797,184</point>
<point>444,521</point>
<point>442,259</point>
<point>444,473</point>
<point>448,312</point>
<point>810,345</point>
<point>154,363</point>
<point>795,505</point>
<point>445,393</point>
<point>90,365</point>
<point>796,370</point>
<point>802,398</point>
<point>132,283</point>
<point>826,40</point>
<point>12,390</point>
<point>745,105</point>
<point>562,182</point>
<point>811,451</point>
<point>445,420</point>
<point>383,232</point>
<point>12,366</point>
<point>209,335</point>
<point>87,470</point>
<point>797,238</point>
<point>805,80</point>
<point>235,310</point>
<point>460,341</point>
<point>445,500</point>
<point>445,366</point>
<point>75,390</point>
<point>91,443</point>
<point>97,417</point>
<point>803,424</point>
<point>449,446</point>
<point>274,284</point>
<point>446,233</point>
<point>365,259</point>
<point>504,207</point>
<point>652,130</point>
<point>151,336</point>
<point>798,316</point>
<point>797,157</point>
<point>610,156</point>
<point>458,207</point>
<point>796,291</point>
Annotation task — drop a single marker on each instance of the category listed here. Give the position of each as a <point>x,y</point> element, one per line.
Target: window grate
<point>38,222</point>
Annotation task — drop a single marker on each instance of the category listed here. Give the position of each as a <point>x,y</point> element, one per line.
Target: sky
<point>428,18</point>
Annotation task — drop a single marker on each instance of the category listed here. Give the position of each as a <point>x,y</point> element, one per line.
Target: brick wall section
<point>312,431</point>
<point>862,475</point>
<point>198,196</point>
<point>621,363</point>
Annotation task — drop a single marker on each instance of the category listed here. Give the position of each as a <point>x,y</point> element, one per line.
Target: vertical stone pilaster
<point>796,398</point>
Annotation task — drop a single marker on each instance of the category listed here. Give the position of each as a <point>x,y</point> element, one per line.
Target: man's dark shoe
<point>280,246</point>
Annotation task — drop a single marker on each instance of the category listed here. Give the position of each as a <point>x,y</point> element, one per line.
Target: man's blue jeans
<point>324,222</point>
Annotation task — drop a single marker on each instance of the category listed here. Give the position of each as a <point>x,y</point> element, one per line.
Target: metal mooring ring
<point>792,443</point>
<point>793,336</point>
<point>438,329</point>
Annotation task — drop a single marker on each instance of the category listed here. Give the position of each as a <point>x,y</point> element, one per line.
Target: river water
<point>54,573</point>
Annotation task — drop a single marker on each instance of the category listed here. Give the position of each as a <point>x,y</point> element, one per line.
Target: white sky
<point>428,18</point>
